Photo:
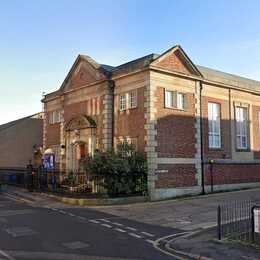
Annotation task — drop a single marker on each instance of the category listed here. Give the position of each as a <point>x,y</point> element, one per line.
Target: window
<point>241,128</point>
<point>122,101</point>
<point>169,99</point>
<point>51,118</point>
<point>133,99</point>
<point>180,100</point>
<point>128,100</point>
<point>174,99</point>
<point>55,117</point>
<point>127,140</point>
<point>214,125</point>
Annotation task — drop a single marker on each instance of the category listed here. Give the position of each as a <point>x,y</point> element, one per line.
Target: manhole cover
<point>20,231</point>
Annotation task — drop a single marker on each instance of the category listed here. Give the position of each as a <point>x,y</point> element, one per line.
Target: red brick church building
<point>180,114</point>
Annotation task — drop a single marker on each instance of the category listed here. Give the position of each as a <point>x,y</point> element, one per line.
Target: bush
<point>123,172</point>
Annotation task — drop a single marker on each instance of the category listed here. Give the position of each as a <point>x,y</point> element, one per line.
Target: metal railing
<point>73,184</point>
<point>235,220</point>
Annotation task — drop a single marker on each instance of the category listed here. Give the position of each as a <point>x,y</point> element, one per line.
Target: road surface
<point>54,231</point>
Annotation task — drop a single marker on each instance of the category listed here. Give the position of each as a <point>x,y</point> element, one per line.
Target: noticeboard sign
<point>49,162</point>
<point>257,220</point>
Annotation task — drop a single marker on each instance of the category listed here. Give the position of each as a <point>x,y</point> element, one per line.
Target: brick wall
<point>131,122</point>
<point>17,142</point>
<point>175,128</point>
<point>52,134</point>
<point>231,174</point>
<point>181,175</point>
<point>174,62</point>
<point>86,108</point>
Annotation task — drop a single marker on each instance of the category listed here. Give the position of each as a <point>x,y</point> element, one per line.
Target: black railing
<point>73,184</point>
<point>235,220</point>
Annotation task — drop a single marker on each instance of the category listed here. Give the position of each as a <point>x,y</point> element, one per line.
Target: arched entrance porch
<point>80,138</point>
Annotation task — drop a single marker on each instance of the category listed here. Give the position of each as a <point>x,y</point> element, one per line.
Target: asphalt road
<point>31,231</point>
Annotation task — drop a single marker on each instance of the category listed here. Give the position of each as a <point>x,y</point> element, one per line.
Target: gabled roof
<point>188,61</point>
<point>104,69</point>
<point>152,59</point>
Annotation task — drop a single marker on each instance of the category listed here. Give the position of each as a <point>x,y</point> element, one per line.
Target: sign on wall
<point>49,162</point>
<point>257,220</point>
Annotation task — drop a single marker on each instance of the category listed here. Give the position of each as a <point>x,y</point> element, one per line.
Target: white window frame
<point>132,99</point>
<point>180,99</point>
<point>55,117</point>
<point>122,102</point>
<point>242,139</point>
<point>169,98</point>
<point>174,99</point>
<point>214,125</point>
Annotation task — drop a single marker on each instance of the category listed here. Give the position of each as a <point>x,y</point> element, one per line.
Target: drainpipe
<point>202,144</point>
<point>112,91</point>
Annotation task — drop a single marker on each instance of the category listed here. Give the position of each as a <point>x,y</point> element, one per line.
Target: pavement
<point>189,214</point>
<point>203,245</point>
<point>33,226</point>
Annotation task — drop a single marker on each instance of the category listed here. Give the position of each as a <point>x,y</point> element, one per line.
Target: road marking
<point>148,234</point>
<point>54,209</point>
<point>82,218</point>
<point>134,235</point>
<point>117,224</point>
<point>6,255</point>
<point>72,215</point>
<point>120,230</point>
<point>105,220</point>
<point>149,241</point>
<point>62,211</point>
<point>131,228</point>
<point>156,244</point>
<point>17,199</point>
<point>94,221</point>
<point>106,225</point>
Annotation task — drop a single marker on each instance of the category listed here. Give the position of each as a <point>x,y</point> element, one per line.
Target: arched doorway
<point>80,136</point>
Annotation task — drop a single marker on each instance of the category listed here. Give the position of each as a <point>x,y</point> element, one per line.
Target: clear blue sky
<point>39,40</point>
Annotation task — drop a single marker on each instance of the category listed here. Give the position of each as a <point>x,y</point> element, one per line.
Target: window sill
<point>216,149</point>
<point>52,124</point>
<point>175,108</point>
<point>243,150</point>
<point>125,110</point>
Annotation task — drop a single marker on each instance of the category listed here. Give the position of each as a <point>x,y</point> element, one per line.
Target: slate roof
<point>134,64</point>
<point>229,79</point>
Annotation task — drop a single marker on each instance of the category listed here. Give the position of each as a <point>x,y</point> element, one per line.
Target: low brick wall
<point>232,173</point>
<point>178,175</point>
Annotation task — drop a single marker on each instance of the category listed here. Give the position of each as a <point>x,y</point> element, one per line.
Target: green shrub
<point>123,172</point>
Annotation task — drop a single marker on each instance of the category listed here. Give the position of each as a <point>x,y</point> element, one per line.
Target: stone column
<point>107,130</point>
<point>151,133</point>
